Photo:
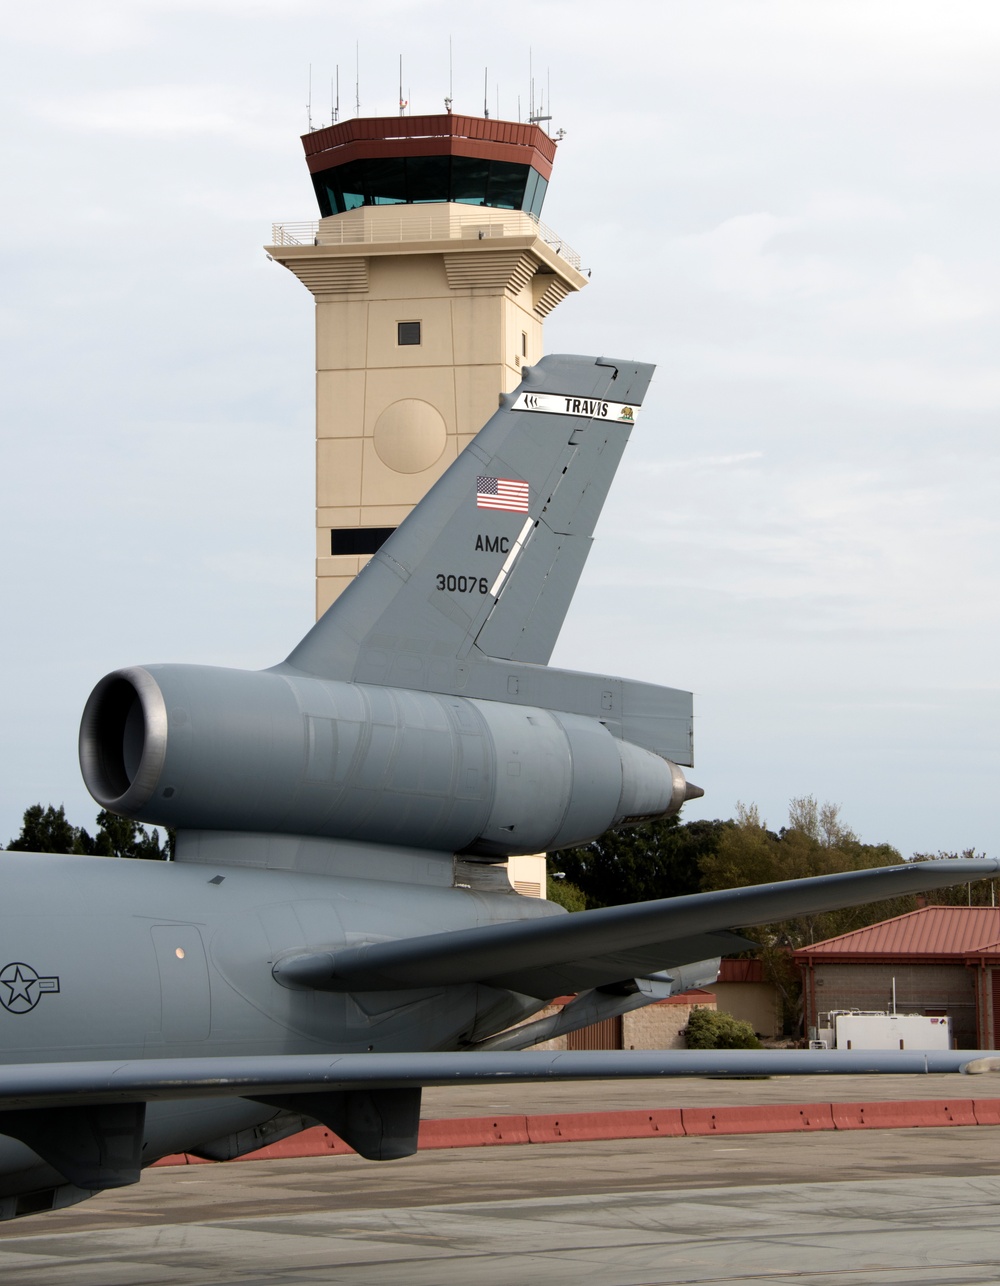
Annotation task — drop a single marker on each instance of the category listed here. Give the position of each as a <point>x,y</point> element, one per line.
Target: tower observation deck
<point>432,274</point>
<point>421,160</point>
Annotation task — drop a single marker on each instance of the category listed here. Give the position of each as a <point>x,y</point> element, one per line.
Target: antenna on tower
<point>535,113</point>
<point>336,100</point>
<point>309,100</point>
<point>402,100</point>
<point>486,93</point>
<point>451,79</point>
<point>357,78</point>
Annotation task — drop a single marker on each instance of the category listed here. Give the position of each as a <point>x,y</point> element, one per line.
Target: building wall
<point>656,1026</point>
<point>391,417</point>
<point>527,874</point>
<point>659,1026</point>
<point>755,1003</point>
<point>943,988</point>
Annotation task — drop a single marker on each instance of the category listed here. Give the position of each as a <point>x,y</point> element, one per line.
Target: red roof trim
<point>446,135</point>
<point>741,971</point>
<point>929,933</point>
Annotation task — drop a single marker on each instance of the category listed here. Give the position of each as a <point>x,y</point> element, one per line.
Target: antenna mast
<point>486,92</point>
<point>357,78</point>
<point>309,100</point>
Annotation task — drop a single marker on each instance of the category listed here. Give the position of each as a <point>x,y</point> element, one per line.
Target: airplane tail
<point>394,720</point>
<point>486,565</point>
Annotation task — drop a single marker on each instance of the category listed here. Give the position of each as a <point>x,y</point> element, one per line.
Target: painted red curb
<point>903,1115</point>
<point>579,1126</point>
<point>763,1119</point>
<point>473,1132</point>
<point>778,1118</point>
<point>987,1111</point>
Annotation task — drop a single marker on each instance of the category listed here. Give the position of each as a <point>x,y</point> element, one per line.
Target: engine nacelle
<point>196,747</point>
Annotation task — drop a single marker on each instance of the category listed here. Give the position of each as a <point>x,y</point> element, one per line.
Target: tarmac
<point>827,1208</point>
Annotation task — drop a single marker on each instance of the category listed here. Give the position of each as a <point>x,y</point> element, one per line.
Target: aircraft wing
<point>51,1085</point>
<point>562,954</point>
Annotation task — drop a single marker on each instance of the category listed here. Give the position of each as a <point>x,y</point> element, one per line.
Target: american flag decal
<point>502,493</point>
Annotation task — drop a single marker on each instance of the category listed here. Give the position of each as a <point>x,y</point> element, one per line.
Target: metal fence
<point>440,222</point>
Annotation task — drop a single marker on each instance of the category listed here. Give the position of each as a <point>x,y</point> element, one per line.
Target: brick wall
<point>919,987</point>
<point>659,1026</point>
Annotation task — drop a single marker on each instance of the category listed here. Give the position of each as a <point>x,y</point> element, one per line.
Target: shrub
<point>708,1029</point>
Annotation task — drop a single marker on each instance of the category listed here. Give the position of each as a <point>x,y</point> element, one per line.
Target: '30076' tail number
<point>463,584</point>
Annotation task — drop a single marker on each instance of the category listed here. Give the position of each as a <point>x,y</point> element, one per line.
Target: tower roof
<point>429,160</point>
<point>448,134</point>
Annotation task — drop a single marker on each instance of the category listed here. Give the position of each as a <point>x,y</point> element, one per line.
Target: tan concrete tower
<point>432,275</point>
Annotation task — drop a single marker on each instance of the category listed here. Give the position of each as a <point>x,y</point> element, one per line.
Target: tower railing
<point>437,222</point>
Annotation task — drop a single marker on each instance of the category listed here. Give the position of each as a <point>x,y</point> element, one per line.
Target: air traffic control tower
<point>433,275</point>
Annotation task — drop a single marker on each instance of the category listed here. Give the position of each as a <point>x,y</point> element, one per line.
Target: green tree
<point>659,860</point>
<point>977,893</point>
<point>122,837</point>
<point>709,1029</point>
<point>46,830</point>
<point>564,894</point>
<point>815,842</point>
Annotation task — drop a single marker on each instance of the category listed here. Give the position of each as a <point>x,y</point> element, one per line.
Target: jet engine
<point>196,747</point>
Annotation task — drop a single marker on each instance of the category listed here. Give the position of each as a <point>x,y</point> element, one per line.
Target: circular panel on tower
<point>410,435</point>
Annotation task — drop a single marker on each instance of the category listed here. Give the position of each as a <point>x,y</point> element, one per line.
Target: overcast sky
<point>790,207</point>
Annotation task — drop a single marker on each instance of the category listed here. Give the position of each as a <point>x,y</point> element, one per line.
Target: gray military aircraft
<point>335,932</point>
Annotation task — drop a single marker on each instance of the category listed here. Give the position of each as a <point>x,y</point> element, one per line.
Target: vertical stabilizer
<point>486,565</point>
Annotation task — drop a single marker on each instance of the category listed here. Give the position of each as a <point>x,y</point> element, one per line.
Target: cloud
<point>169,111</point>
<point>740,256</point>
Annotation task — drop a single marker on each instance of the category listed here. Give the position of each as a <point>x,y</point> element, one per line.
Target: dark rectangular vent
<point>407,333</point>
<point>359,540</point>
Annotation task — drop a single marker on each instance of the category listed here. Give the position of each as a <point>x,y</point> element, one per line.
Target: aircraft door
<point>185,1001</point>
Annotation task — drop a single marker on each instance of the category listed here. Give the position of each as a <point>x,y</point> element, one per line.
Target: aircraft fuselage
<point>108,959</point>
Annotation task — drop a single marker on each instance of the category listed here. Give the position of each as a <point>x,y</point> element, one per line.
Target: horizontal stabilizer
<point>48,1085</point>
<point>551,957</point>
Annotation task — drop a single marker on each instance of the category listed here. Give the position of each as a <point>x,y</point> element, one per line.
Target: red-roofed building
<point>939,961</point>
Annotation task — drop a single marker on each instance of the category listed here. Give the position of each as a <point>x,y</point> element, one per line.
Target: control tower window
<point>423,180</point>
<point>386,181</point>
<point>407,333</point>
<point>428,177</point>
<point>506,185</point>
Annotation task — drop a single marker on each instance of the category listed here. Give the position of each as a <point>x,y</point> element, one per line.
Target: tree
<point>815,842</point>
<point>122,837</point>
<point>564,894</point>
<point>711,1029</point>
<point>976,893</point>
<point>47,830</point>
<point>659,860</point>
